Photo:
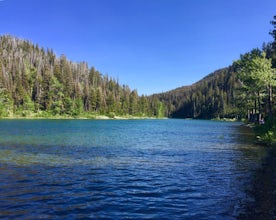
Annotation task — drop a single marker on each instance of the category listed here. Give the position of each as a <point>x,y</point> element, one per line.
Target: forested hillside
<point>211,97</point>
<point>244,89</point>
<point>35,82</point>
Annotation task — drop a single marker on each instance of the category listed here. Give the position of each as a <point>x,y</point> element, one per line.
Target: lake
<point>118,169</point>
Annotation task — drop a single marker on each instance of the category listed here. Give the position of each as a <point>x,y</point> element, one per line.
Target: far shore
<point>103,117</point>
<point>96,117</point>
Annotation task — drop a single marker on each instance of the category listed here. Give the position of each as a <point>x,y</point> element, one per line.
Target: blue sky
<point>150,45</point>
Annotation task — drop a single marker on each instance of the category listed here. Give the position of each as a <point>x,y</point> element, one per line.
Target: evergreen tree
<point>6,104</point>
<point>133,105</point>
<point>273,34</point>
<point>257,79</point>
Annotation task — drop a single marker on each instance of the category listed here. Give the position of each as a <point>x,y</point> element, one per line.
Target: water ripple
<point>162,169</point>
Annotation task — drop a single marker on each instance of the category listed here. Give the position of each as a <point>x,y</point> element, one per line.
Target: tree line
<point>35,82</point>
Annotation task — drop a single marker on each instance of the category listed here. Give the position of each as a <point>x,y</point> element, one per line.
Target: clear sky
<point>150,45</point>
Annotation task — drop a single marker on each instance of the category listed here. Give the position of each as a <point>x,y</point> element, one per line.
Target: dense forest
<point>211,97</point>
<point>34,82</point>
<point>238,91</point>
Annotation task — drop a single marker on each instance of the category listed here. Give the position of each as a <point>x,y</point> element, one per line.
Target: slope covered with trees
<point>244,89</point>
<point>35,82</point>
<point>211,97</point>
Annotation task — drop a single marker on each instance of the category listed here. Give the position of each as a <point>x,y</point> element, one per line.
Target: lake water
<point>117,169</point>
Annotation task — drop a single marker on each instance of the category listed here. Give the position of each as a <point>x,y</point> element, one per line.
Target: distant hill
<point>211,97</point>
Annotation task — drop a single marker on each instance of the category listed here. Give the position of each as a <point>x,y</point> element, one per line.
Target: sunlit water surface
<point>116,169</point>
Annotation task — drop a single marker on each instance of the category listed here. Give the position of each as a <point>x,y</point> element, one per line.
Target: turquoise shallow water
<point>116,169</point>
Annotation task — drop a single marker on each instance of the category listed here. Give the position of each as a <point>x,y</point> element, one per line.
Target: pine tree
<point>273,34</point>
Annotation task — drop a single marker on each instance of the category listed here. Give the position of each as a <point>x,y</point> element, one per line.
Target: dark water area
<point>119,169</point>
<point>262,190</point>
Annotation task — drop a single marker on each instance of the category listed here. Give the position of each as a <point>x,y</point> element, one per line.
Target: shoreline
<point>96,117</point>
<point>263,184</point>
<point>263,190</point>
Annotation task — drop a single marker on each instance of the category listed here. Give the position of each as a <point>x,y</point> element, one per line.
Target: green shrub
<point>267,131</point>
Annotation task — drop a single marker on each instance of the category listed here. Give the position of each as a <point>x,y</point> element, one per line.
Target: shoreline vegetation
<point>266,133</point>
<point>79,117</point>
